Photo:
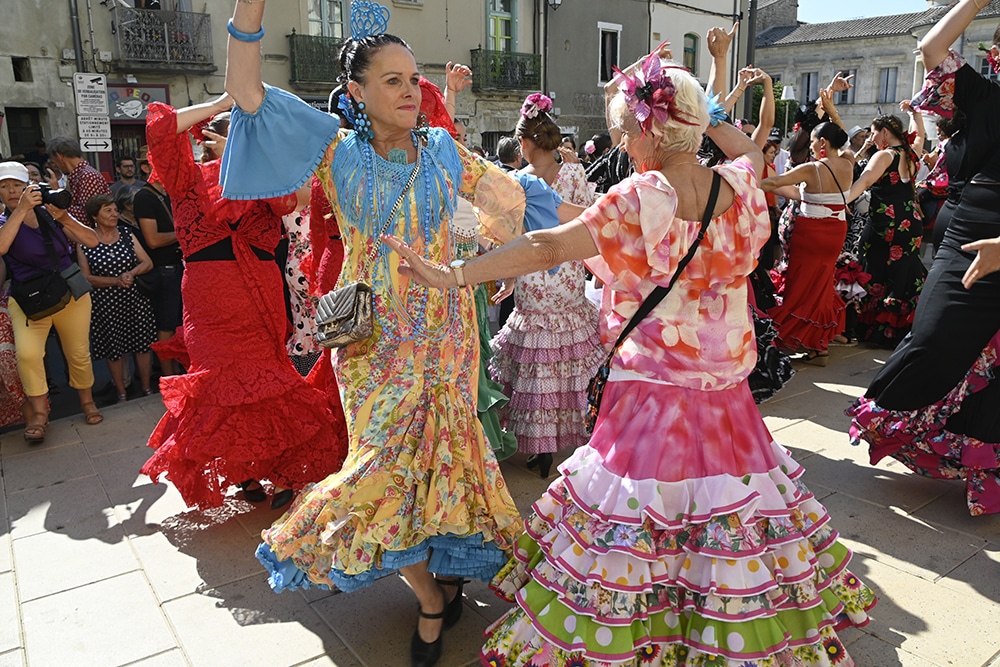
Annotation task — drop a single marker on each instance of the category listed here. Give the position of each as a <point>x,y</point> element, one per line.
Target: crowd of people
<point>654,284</point>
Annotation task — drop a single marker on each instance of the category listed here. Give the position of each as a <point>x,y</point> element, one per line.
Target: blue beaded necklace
<point>409,321</point>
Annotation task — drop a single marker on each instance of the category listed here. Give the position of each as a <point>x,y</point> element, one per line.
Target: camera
<point>59,198</point>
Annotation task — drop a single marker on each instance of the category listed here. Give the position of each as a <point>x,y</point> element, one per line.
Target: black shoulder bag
<point>48,293</point>
<point>595,390</point>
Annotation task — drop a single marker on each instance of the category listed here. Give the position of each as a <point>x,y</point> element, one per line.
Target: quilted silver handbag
<point>344,316</point>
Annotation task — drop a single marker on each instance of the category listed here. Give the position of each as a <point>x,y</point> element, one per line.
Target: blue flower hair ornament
<point>346,106</point>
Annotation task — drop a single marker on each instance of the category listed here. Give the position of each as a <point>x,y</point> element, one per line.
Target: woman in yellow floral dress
<point>420,490</point>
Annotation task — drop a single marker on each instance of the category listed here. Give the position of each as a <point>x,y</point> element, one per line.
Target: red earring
<point>822,151</point>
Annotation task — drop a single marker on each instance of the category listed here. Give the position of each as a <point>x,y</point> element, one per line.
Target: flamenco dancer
<point>933,406</point>
<point>682,534</point>
<point>241,413</point>
<point>420,491</point>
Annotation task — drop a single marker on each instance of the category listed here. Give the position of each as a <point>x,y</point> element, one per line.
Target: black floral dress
<point>890,247</point>
<point>121,320</point>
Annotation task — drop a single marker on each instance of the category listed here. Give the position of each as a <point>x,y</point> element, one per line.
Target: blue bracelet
<point>244,36</point>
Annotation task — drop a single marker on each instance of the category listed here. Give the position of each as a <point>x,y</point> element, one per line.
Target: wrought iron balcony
<point>315,60</point>
<point>154,40</point>
<point>501,70</point>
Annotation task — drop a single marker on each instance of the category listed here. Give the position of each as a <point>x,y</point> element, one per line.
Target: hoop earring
<point>362,123</point>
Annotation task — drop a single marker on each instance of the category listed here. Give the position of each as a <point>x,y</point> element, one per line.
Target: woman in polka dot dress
<point>122,320</point>
<point>681,534</point>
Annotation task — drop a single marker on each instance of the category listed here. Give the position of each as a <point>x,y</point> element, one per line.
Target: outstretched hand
<point>986,262</point>
<point>418,268</point>
<point>457,77</point>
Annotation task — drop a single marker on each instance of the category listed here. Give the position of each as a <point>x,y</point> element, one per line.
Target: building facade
<point>880,52</point>
<point>177,55</point>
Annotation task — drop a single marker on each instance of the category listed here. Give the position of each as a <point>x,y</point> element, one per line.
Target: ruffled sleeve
<point>275,150</point>
<point>938,92</point>
<point>541,203</point>
<point>170,154</point>
<point>640,238</point>
<point>499,200</point>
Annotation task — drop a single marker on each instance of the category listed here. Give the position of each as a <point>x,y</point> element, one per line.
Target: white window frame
<point>809,82</point>
<point>887,93</point>
<point>493,17</point>
<point>603,27</point>
<point>986,70</point>
<point>327,25</point>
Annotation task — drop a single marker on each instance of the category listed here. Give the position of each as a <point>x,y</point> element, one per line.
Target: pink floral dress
<point>681,534</point>
<point>548,350</point>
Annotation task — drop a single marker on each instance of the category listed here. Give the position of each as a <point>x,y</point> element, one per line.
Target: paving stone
<point>952,510</point>
<point>110,622</point>
<point>245,623</point>
<point>119,473</point>
<point>171,658</point>
<point>10,628</point>
<point>122,428</point>
<point>481,600</point>
<point>59,434</point>
<point>183,556</point>
<point>13,658</point>
<point>49,562</point>
<point>6,562</point>
<point>900,541</point>
<point>869,650</point>
<point>978,576</point>
<point>36,470</point>
<point>339,658</point>
<point>929,620</point>
<point>152,406</point>
<point>377,622</point>
<point>77,508</point>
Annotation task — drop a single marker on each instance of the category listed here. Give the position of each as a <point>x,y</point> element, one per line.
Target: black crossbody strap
<point>43,227</point>
<point>656,296</point>
<point>839,189</point>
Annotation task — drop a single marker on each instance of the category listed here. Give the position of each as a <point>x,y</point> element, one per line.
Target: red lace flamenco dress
<point>241,411</point>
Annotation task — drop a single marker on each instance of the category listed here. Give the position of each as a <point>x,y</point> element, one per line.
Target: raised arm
<point>916,127</point>
<point>718,41</point>
<point>188,117</point>
<point>243,76</point>
<point>743,80</point>
<point>765,121</point>
<point>736,145</point>
<point>457,79</point>
<point>938,40</point>
<point>876,167</point>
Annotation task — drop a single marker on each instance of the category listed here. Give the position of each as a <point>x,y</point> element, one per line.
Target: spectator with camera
<point>82,180</point>
<point>35,230</point>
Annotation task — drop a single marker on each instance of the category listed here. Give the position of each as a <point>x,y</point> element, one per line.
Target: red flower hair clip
<point>536,103</point>
<point>649,94</point>
<point>994,64</point>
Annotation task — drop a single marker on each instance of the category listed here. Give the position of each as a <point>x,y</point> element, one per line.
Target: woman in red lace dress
<point>241,412</point>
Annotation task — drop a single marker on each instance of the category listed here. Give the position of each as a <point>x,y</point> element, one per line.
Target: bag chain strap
<point>377,245</point>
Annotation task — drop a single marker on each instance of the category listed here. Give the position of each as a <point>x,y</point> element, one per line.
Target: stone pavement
<point>98,567</point>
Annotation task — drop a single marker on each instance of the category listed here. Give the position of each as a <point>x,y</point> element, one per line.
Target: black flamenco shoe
<point>453,612</point>
<point>253,495</point>
<point>542,461</point>
<point>424,654</point>
<point>282,498</point>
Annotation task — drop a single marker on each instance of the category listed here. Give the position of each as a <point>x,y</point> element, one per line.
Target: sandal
<point>122,398</point>
<point>814,358</point>
<point>91,414</point>
<point>35,433</point>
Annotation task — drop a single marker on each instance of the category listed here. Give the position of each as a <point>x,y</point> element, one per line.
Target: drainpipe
<point>751,46</point>
<point>74,16</point>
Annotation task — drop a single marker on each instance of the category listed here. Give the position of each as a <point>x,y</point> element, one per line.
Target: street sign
<point>91,94</point>
<point>96,145</point>
<point>94,127</point>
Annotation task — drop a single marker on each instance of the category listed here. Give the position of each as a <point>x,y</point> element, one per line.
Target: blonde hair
<point>683,135</point>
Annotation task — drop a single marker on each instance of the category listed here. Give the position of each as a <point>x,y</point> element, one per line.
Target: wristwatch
<point>458,268</point>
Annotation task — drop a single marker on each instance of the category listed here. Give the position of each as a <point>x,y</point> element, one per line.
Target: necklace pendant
<point>396,156</point>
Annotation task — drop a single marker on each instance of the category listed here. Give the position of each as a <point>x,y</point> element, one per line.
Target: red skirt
<point>811,312</point>
<point>241,411</point>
